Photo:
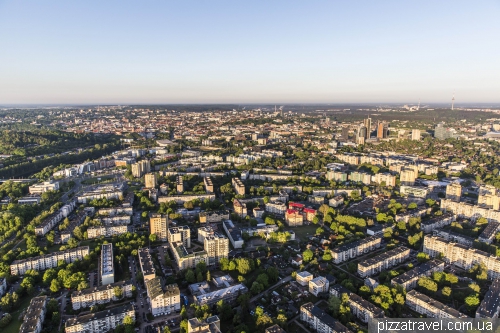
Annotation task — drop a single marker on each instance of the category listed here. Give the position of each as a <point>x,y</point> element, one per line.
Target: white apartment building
<point>100,192</point>
<point>209,325</point>
<point>238,185</point>
<point>276,207</point>
<point>386,178</point>
<point>428,226</point>
<point>102,321</point>
<point>409,279</point>
<point>303,278</point>
<point>430,307</point>
<point>217,247</point>
<point>383,261</point>
<point>86,298</point>
<point>146,264</point>
<point>51,221</point>
<point>490,306</point>
<point>163,301</point>
<point>35,315</point>
<point>107,270</point>
<point>320,321</point>
<point>109,231</point>
<point>158,225</point>
<point>44,187</point>
<point>234,234</point>
<point>351,250</point>
<point>180,234</point>
<point>472,212</point>
<point>461,256</point>
<point>40,263</point>
<point>318,285</point>
<point>360,307</point>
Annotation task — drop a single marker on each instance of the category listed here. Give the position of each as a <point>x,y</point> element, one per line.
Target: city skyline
<point>221,52</point>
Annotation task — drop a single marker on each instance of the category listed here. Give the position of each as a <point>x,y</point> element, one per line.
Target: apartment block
<point>349,158</point>
<point>100,192</point>
<point>320,321</point>
<point>351,250</point>
<point>240,208</point>
<point>276,207</point>
<point>44,187</point>
<point>217,247</point>
<point>360,177</point>
<point>209,325</point>
<point>408,176</point>
<point>383,261</point>
<point>337,176</point>
<point>472,212</point>
<point>209,185</point>
<point>489,197</point>
<point>294,218</point>
<point>490,306</point>
<point>234,234</point>
<point>414,191</point>
<point>140,168</point>
<point>52,220</point>
<point>387,178</point>
<point>150,180</point>
<point>303,278</point>
<point>461,256</point>
<point>454,192</point>
<point>86,298</point>
<point>179,184</point>
<point>180,234</point>
<point>454,237</point>
<point>489,232</point>
<point>35,315</point>
<point>318,285</point>
<point>428,226</point>
<point>40,263</point>
<point>158,225</point>
<point>185,259</point>
<point>229,294</point>
<point>146,263</point>
<point>409,279</point>
<point>163,301</point>
<point>430,307</point>
<point>360,307</point>
<point>106,231</point>
<point>102,321</point>
<point>214,216</point>
<point>107,270</point>
<point>238,185</point>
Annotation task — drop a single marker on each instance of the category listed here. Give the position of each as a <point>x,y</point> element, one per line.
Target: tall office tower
<point>454,191</point>
<point>158,225</point>
<point>382,130</point>
<point>345,133</point>
<point>442,133</point>
<point>415,134</point>
<point>140,168</point>
<point>362,132</point>
<point>150,180</point>
<point>368,125</point>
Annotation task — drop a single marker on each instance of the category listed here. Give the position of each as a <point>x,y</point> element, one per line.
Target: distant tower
<point>452,101</point>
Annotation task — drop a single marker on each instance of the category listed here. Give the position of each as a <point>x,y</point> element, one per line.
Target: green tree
<point>118,292</point>
<point>190,278</point>
<point>307,255</point>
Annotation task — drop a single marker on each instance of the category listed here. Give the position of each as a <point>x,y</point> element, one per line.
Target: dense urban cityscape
<point>245,218</point>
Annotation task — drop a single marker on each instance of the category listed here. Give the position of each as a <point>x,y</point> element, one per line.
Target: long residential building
<point>472,212</point>
<point>461,256</point>
<point>163,301</point>
<point>86,298</point>
<point>490,306</point>
<point>212,217</point>
<point>320,321</point>
<point>354,249</point>
<point>430,307</point>
<point>146,263</point>
<point>51,221</point>
<point>35,315</point>
<point>436,222</point>
<point>238,185</point>
<point>360,307</point>
<point>234,234</point>
<point>46,261</point>
<point>276,207</point>
<point>409,279</point>
<point>100,192</point>
<point>383,261</point>
<point>489,233</point>
<point>107,271</point>
<point>108,231</point>
<point>228,294</point>
<point>102,321</point>
<point>181,199</point>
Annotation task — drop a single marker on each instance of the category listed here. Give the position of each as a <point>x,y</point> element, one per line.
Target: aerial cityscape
<point>214,167</point>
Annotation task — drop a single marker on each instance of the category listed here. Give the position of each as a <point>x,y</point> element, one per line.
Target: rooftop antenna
<point>452,101</point>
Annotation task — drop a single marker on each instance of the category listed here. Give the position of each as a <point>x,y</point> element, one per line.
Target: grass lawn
<point>15,324</point>
<point>91,243</point>
<point>95,180</point>
<point>305,232</point>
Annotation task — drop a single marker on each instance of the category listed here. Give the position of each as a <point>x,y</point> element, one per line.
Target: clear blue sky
<point>204,51</point>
